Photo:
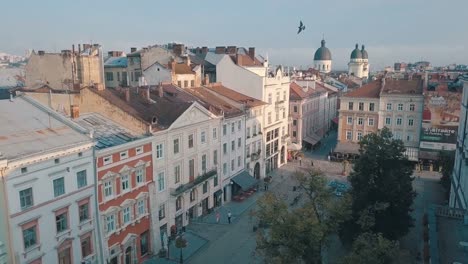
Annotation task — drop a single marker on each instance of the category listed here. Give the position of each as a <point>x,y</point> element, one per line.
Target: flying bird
<point>301,27</point>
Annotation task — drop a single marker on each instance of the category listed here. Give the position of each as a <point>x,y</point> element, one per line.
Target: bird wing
<point>300,23</point>
<point>299,31</point>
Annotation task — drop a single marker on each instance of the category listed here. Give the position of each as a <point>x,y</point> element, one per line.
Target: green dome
<point>356,54</point>
<point>322,53</point>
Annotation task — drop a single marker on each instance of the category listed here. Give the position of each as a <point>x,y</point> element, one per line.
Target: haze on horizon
<point>393,31</point>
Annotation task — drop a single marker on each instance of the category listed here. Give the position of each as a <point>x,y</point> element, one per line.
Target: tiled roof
<point>235,96</point>
<point>370,90</point>
<point>402,87</point>
<point>210,99</point>
<point>298,93</point>
<point>165,109</point>
<point>182,68</point>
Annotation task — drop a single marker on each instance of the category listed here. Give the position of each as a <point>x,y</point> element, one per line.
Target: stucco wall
<point>56,69</point>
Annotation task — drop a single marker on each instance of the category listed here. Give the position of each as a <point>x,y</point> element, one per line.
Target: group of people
<point>218,216</point>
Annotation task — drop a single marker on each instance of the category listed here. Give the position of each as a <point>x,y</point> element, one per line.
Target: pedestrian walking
<point>312,163</point>
<point>300,161</point>
<point>229,217</point>
<point>217,217</point>
<point>265,187</point>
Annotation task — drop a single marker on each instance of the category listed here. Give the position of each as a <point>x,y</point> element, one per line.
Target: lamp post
<point>180,243</point>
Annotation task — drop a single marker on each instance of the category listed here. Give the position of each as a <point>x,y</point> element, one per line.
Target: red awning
<point>335,120</point>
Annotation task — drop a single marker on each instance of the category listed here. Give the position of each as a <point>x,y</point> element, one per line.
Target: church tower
<point>323,59</point>
<point>358,65</point>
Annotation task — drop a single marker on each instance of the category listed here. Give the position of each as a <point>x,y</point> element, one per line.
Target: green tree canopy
<point>297,234</point>
<point>370,248</point>
<point>382,176</point>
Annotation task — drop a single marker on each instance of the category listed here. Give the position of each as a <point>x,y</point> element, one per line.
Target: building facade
<point>459,179</point>
<point>312,109</point>
<point>125,176</point>
<point>64,70</point>
<point>115,69</point>
<point>395,104</point>
<point>49,186</point>
<point>270,86</point>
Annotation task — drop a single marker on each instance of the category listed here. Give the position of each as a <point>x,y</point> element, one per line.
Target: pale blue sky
<point>396,30</point>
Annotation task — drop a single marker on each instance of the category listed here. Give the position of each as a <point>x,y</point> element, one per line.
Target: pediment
<point>193,115</point>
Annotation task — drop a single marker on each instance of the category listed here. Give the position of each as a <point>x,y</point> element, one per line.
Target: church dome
<point>356,54</point>
<point>322,53</point>
<point>364,53</point>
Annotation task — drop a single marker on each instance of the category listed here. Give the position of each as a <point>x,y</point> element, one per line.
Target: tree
<point>299,234</point>
<point>447,160</point>
<point>381,176</point>
<point>370,248</point>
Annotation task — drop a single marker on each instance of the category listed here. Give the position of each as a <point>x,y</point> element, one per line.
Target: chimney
<point>74,111</point>
<point>204,50</point>
<point>383,82</point>
<point>160,90</point>
<point>133,49</point>
<point>426,79</point>
<point>127,94</point>
<point>231,49</point>
<point>187,60</point>
<point>252,53</point>
<point>40,52</point>
<point>147,93</point>
<point>73,48</point>
<point>178,49</point>
<point>220,50</point>
<point>79,48</point>
<point>207,79</point>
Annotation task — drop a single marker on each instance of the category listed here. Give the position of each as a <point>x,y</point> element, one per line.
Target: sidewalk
<point>194,244</point>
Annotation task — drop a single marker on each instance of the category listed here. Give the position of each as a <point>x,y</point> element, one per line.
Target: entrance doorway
<point>128,255</point>
<point>257,171</point>
<point>205,206</point>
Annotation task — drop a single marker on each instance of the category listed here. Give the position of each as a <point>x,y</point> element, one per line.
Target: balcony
<point>279,104</point>
<point>256,155</point>
<point>198,180</point>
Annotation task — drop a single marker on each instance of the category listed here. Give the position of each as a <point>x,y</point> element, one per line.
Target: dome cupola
<point>364,53</point>
<point>356,54</point>
<point>322,53</point>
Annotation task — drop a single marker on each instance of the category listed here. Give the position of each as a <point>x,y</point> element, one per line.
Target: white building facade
<point>49,187</point>
<point>187,170</point>
<point>271,87</point>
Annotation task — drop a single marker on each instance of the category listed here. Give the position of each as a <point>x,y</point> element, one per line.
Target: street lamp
<point>181,243</point>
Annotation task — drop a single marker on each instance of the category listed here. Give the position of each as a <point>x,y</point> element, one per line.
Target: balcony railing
<point>255,156</point>
<point>198,180</point>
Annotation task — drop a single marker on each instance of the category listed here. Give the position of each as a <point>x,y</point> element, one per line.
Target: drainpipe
<point>96,207</point>
<point>9,243</point>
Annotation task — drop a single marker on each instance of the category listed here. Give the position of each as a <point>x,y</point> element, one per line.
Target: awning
<point>335,120</point>
<point>347,147</point>
<point>311,139</point>
<point>244,180</point>
<point>218,192</point>
<point>294,147</point>
<point>428,155</point>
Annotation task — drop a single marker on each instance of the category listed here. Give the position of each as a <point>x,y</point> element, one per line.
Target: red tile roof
<point>214,103</point>
<point>369,90</point>
<point>233,95</point>
<point>296,92</point>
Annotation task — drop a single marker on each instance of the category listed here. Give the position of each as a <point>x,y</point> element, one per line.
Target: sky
<point>392,30</point>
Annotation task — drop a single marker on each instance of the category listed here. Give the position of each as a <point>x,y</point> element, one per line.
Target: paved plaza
<point>213,242</point>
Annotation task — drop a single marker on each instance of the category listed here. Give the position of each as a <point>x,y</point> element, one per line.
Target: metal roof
<point>106,132</point>
<point>28,130</point>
